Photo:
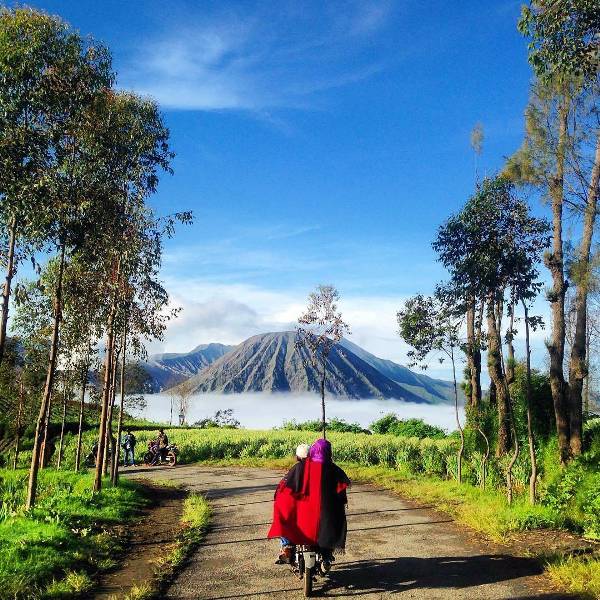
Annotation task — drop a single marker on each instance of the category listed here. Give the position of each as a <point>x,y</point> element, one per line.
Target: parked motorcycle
<point>308,563</point>
<point>168,457</point>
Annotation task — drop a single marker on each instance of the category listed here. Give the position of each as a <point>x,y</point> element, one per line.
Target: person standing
<point>129,446</point>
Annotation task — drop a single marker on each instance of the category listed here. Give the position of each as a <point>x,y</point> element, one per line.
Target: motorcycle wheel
<point>171,458</point>
<point>308,582</point>
<point>148,458</point>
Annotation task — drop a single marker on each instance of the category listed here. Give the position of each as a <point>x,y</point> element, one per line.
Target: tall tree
<point>542,161</point>
<point>564,53</point>
<point>432,325</point>
<point>319,328</point>
<point>74,190</point>
<point>490,247</point>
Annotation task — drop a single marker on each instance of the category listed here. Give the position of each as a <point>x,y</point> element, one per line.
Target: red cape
<point>297,515</point>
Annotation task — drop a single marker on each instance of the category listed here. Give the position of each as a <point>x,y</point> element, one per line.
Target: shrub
<point>390,423</point>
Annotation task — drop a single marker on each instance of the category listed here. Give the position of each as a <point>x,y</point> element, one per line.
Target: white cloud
<point>268,59</point>
<point>229,313</point>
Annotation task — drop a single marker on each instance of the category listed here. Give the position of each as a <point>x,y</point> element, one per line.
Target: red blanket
<point>297,511</point>
<point>296,515</point>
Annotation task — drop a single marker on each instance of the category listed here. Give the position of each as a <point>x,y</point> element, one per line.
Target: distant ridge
<point>271,362</point>
<point>170,369</point>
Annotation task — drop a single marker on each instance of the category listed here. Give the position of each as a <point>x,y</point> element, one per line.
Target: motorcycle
<point>308,563</point>
<point>168,457</point>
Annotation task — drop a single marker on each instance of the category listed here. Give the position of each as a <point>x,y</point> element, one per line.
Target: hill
<point>433,390</point>
<point>271,362</point>
<point>167,370</point>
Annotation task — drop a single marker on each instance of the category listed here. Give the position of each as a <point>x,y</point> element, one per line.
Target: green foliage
<point>50,549</point>
<point>221,418</point>
<point>333,424</point>
<point>580,575</point>
<point>390,423</point>
<point>564,36</point>
<point>493,243</point>
<point>541,400</point>
<point>574,492</point>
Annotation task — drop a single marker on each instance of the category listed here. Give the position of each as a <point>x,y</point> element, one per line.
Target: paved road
<point>394,548</point>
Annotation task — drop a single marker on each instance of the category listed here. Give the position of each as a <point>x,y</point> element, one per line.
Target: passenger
<point>310,503</point>
<point>287,547</point>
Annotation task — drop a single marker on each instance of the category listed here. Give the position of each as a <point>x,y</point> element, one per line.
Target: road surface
<point>394,548</point>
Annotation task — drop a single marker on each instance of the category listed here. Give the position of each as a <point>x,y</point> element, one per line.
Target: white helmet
<point>302,450</point>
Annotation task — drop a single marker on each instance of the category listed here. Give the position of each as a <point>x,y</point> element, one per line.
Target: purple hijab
<point>320,452</point>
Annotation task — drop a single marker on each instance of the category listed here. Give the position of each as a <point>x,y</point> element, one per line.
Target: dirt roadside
<point>395,547</point>
<point>151,537</point>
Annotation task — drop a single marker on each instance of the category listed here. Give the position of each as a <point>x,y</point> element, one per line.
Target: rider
<point>162,441</point>
<point>310,503</point>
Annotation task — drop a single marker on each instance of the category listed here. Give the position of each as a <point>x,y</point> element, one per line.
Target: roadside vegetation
<point>56,549</point>
<point>425,470</point>
<point>195,520</point>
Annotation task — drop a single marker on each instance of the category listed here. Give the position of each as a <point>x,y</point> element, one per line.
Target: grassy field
<point>51,551</point>
<point>424,469</point>
<point>569,499</point>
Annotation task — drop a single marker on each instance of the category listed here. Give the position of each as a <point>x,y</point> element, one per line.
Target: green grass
<point>577,574</point>
<point>51,550</point>
<point>486,511</point>
<point>195,520</point>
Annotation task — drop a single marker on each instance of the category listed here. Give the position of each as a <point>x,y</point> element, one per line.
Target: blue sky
<point>316,142</point>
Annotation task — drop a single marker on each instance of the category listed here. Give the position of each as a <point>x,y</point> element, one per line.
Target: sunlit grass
<point>49,550</point>
<point>578,575</point>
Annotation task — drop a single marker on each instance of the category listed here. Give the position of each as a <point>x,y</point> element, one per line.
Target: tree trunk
<point>43,448</point>
<point>460,429</point>
<point>81,410</point>
<point>109,446</point>
<point>6,291</point>
<point>578,367</point>
<point>485,458</point>
<point>510,348</point>
<point>530,433</point>
<point>494,356</point>
<point>587,381</point>
<point>105,399</point>
<point>323,421</point>
<point>476,383</point>
<point>492,393</point>
<point>516,451</point>
<point>473,358</point>
<point>555,263</point>
<point>19,424</point>
<point>115,471</point>
<point>62,426</point>
<point>40,426</point>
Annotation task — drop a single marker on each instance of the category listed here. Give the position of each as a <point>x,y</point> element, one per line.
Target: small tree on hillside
<point>184,392</point>
<point>319,328</point>
<point>428,325</point>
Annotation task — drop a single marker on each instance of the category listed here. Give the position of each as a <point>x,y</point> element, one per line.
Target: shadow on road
<point>400,574</point>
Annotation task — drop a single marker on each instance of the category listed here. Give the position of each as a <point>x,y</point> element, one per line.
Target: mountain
<point>271,362</point>
<point>433,390</point>
<point>167,370</point>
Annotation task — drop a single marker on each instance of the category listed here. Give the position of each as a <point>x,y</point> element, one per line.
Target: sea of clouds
<point>261,410</point>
